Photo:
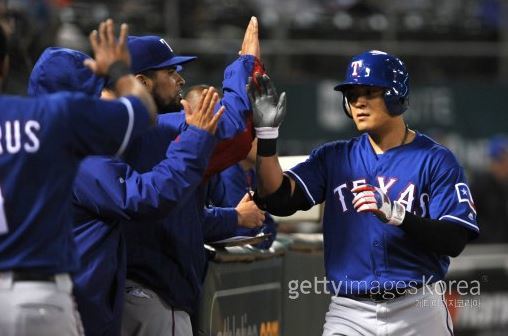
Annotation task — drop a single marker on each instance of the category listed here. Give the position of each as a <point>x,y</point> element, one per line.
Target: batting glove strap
<point>398,214</point>
<point>267,132</point>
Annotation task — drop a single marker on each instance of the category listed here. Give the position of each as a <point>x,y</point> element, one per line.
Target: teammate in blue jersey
<point>166,260</point>
<point>107,189</point>
<point>42,142</point>
<point>397,204</point>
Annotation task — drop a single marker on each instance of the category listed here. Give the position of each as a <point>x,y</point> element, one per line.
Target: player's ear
<point>146,81</point>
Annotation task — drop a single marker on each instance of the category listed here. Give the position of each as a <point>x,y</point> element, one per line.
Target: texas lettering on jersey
<point>16,136</point>
<point>417,204</point>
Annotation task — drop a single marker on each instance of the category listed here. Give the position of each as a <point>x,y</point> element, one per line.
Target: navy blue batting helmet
<point>380,69</point>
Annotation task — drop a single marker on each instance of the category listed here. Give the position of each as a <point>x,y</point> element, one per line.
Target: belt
<point>32,276</point>
<point>379,296</point>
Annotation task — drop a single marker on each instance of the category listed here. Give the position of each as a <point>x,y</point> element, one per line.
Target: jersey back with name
<point>362,251</point>
<point>41,143</point>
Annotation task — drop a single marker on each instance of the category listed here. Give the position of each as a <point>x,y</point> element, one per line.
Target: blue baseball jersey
<point>168,256</point>
<point>107,190</point>
<point>42,141</point>
<point>226,190</point>
<point>361,252</point>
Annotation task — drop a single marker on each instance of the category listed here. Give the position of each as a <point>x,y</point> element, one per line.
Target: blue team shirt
<point>362,251</point>
<point>42,141</point>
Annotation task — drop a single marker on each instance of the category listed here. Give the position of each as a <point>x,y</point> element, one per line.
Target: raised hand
<point>204,117</point>
<point>372,199</point>
<point>107,49</point>
<point>250,44</point>
<point>268,108</point>
<point>249,215</point>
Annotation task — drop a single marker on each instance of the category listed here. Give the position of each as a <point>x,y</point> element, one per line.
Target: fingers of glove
<point>251,89</point>
<point>369,207</point>
<point>363,194</point>
<point>371,199</point>
<point>270,88</point>
<point>363,187</point>
<point>264,84</point>
<point>281,109</point>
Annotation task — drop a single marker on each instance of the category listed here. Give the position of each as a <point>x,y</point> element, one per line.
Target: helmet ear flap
<point>404,103</point>
<point>396,105</point>
<point>346,107</point>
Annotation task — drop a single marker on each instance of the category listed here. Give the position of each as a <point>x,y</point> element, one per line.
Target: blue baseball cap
<point>62,69</point>
<point>498,145</point>
<point>152,53</point>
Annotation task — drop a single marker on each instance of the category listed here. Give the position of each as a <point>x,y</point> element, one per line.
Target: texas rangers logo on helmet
<point>356,65</point>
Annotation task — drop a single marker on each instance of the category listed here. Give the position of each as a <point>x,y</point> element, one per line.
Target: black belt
<point>32,276</point>
<point>379,296</point>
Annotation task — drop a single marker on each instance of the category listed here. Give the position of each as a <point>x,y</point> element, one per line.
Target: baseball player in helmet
<point>397,204</point>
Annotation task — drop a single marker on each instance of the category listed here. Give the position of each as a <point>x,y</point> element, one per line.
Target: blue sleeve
<point>311,176</point>
<point>219,223</point>
<point>235,100</point>
<point>112,189</point>
<point>174,122</point>
<point>235,97</point>
<point>450,198</point>
<point>98,126</point>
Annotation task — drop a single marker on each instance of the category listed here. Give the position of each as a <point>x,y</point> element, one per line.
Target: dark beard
<point>167,108</point>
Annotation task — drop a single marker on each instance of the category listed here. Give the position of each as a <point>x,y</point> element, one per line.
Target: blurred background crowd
<point>456,52</point>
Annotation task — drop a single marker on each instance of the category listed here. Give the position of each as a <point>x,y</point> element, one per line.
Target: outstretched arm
<point>235,78</point>
<point>114,190</point>
<point>277,192</point>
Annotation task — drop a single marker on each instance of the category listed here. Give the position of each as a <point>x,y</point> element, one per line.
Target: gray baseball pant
<point>38,308</point>
<point>419,314</point>
<point>145,314</point>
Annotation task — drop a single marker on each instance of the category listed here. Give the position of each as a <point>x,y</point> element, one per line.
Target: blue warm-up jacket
<point>107,190</point>
<point>101,206</point>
